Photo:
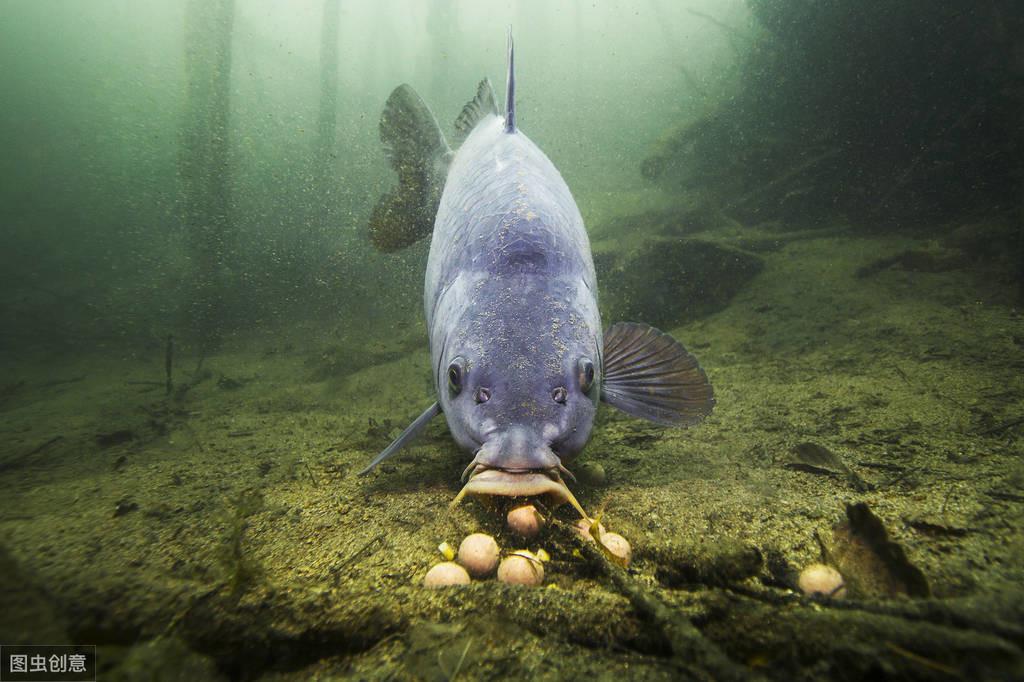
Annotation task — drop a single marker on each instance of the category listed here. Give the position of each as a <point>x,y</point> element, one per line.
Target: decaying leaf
<point>816,459</point>
<point>872,564</point>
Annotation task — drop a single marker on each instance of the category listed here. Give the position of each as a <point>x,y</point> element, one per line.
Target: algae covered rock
<point>665,282</point>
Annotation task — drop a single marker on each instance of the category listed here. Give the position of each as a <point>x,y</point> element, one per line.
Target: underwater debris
<point>816,459</point>
<point>357,556</point>
<point>379,430</point>
<point>458,665</point>
<point>107,440</point>
<point>125,506</point>
<point>231,384</point>
<point>992,242</point>
<point>241,569</point>
<point>720,563</point>
<point>874,565</point>
<point>20,460</point>
<point>935,528</point>
<point>169,363</point>
<point>312,476</point>
<point>1002,426</point>
<point>336,362</point>
<point>170,656</point>
<point>914,260</point>
<point>688,644</point>
<point>27,606</point>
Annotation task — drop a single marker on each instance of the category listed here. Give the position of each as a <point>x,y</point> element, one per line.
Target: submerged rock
<point>666,282</point>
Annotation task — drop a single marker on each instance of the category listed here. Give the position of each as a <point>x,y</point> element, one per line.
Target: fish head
<point>520,387</point>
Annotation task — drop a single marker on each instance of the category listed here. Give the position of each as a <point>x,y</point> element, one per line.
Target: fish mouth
<point>484,480</point>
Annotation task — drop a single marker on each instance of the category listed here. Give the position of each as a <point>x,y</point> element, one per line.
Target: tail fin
<point>510,88</point>
<point>416,148</point>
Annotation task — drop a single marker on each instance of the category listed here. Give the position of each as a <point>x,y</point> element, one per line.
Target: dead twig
<point>688,643</point>
<point>21,459</point>
<point>458,666</point>
<point>999,428</point>
<point>316,483</point>
<point>169,362</point>
<point>358,554</point>
<point>921,610</point>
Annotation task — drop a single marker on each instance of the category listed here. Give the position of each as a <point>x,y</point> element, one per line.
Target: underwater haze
<point>207,331</point>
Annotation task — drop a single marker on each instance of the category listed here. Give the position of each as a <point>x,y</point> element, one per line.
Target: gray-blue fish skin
<point>510,288</point>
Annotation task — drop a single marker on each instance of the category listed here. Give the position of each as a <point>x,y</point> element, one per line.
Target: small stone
<point>822,580</point>
<point>592,474</point>
<point>479,554</point>
<point>445,574</point>
<point>525,521</point>
<point>522,567</point>
<point>618,545</point>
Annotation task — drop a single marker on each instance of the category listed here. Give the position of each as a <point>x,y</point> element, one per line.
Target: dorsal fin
<point>510,88</point>
<point>484,104</point>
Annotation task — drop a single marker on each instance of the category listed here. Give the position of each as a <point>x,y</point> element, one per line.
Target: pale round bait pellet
<point>819,579</point>
<point>521,568</point>
<point>445,574</point>
<point>479,555</point>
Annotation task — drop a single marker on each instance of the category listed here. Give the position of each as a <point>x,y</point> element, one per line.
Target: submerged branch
<point>688,643</point>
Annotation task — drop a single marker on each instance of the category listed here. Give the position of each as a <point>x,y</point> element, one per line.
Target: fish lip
<point>516,483</point>
<point>485,480</point>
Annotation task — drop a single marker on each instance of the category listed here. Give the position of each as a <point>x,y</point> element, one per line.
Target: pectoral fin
<point>648,374</point>
<point>406,437</point>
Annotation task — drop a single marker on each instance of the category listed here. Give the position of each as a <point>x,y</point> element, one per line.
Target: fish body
<point>518,356</point>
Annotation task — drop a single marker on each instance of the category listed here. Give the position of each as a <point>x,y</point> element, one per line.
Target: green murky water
<point>201,347</point>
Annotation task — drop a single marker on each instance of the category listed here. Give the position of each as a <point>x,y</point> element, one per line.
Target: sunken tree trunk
<point>203,164</point>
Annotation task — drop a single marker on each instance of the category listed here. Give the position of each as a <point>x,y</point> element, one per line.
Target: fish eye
<point>456,372</point>
<point>560,395</point>
<point>586,374</point>
<point>483,394</point>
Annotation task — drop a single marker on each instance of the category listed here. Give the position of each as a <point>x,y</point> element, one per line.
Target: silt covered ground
<point>222,531</point>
